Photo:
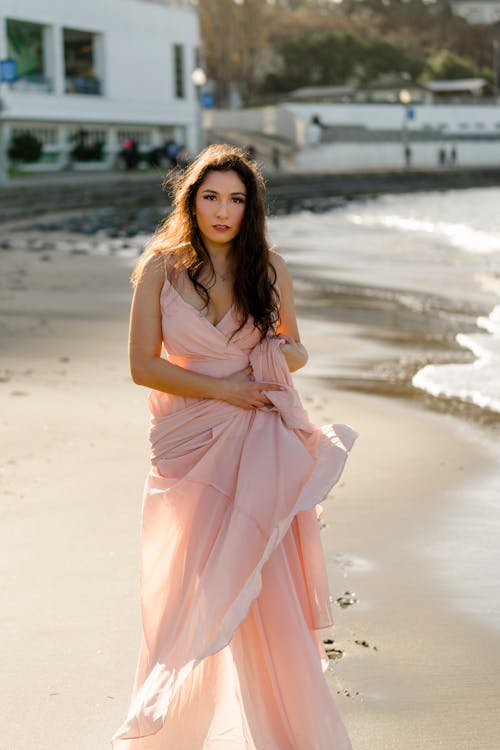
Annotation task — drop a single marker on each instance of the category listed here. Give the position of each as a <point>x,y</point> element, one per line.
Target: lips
<point>221,227</point>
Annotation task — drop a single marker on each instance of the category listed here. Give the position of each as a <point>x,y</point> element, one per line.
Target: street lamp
<point>496,48</point>
<point>405,99</point>
<point>3,159</point>
<point>199,79</point>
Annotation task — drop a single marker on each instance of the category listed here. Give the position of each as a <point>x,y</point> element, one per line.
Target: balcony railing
<point>35,82</point>
<point>83,85</point>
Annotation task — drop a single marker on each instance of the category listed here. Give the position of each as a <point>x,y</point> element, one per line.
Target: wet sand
<point>409,535</point>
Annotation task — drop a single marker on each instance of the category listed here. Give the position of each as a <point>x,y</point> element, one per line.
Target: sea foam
<point>477,382</point>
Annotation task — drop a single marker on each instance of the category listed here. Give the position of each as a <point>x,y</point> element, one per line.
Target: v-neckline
<point>200,314</point>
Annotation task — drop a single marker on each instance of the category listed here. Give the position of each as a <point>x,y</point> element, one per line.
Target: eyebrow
<point>236,192</point>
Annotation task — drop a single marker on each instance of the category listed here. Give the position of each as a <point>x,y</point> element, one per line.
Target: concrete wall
<point>272,121</point>
<point>365,156</point>
<point>449,119</point>
<point>474,131</point>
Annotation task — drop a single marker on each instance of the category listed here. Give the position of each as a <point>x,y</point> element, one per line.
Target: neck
<point>220,262</point>
<point>218,252</point>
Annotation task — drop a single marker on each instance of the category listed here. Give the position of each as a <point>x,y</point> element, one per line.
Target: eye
<point>209,197</point>
<point>239,200</point>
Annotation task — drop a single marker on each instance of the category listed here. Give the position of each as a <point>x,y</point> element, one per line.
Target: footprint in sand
<point>347,599</point>
<point>365,644</point>
<point>348,693</point>
<point>19,393</point>
<point>332,652</point>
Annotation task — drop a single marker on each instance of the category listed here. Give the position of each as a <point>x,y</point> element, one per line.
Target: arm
<point>149,369</point>
<point>294,352</point>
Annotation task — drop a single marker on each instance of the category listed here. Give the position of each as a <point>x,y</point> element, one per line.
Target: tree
<point>379,56</point>
<point>446,65</point>
<point>234,39</point>
<point>328,58</point>
<point>275,46</point>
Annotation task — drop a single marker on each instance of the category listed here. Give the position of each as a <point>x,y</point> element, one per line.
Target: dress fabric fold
<point>233,578</point>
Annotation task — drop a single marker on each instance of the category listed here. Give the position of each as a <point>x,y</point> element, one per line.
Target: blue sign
<point>207,100</point>
<point>8,70</point>
<point>410,113</point>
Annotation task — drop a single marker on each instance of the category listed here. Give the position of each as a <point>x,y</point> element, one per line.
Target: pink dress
<point>233,577</point>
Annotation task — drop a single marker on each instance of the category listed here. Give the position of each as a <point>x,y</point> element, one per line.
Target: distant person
<point>172,152</point>
<point>408,155</point>
<point>276,158</point>
<point>453,155</point>
<point>129,154</point>
<point>155,157</point>
<point>251,152</point>
<point>442,156</point>
<point>233,579</point>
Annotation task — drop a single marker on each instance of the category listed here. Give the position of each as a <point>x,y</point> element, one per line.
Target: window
<point>80,62</point>
<point>141,137</point>
<point>88,136</point>
<point>27,45</point>
<point>46,135</point>
<point>179,71</point>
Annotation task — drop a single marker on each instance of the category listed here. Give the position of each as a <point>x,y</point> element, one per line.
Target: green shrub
<point>24,148</point>
<point>85,150</point>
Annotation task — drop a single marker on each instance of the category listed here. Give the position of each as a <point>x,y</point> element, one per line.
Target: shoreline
<point>386,355</point>
<point>419,645</point>
<point>416,503</point>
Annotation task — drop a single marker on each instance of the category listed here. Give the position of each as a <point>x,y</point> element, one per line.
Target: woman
<point>233,580</point>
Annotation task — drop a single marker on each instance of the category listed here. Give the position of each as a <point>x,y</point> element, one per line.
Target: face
<point>220,207</point>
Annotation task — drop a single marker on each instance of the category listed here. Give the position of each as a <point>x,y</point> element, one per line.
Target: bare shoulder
<point>277,261</point>
<point>154,271</point>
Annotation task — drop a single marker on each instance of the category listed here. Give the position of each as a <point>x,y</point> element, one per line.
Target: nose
<point>222,209</point>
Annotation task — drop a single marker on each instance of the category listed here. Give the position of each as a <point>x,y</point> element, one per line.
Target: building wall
<point>478,11</point>
<point>361,136</point>
<point>366,156</point>
<point>449,119</point>
<point>135,60</point>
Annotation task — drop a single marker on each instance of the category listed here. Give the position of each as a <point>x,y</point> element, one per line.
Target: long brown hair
<point>178,237</point>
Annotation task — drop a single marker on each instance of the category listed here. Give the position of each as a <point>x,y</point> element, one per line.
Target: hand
<point>241,390</point>
<point>294,353</point>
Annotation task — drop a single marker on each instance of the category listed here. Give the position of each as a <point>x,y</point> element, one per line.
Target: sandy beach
<point>408,534</point>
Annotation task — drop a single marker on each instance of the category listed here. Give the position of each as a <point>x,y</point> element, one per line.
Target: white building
<point>478,11</point>
<point>335,137</point>
<point>116,69</point>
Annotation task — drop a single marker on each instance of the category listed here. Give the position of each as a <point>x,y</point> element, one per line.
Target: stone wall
<point>285,191</point>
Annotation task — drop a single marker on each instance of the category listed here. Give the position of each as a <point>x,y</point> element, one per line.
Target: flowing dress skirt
<point>234,589</point>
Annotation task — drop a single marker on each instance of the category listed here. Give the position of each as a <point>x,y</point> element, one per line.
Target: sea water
<point>445,244</point>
